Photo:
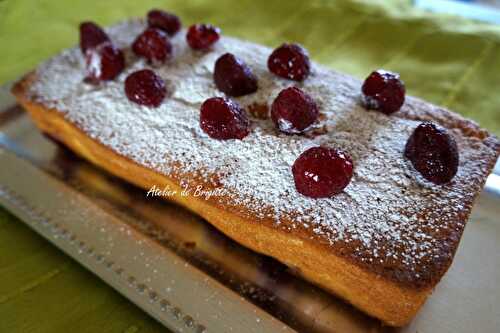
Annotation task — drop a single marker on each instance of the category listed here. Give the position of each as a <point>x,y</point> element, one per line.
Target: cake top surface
<point>388,217</point>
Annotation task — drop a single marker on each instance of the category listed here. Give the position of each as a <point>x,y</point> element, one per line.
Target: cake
<point>381,240</point>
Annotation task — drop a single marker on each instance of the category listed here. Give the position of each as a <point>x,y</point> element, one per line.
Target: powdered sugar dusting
<point>382,213</point>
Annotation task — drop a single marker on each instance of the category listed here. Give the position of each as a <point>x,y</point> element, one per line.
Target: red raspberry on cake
<point>290,61</point>
<point>103,62</point>
<point>202,36</point>
<point>91,35</point>
<point>153,44</point>
<point>433,152</point>
<point>145,87</point>
<point>165,21</point>
<point>293,111</point>
<point>321,172</point>
<point>233,77</point>
<point>383,91</point>
<point>223,119</point>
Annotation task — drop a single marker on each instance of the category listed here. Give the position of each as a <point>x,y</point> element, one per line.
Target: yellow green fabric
<point>447,60</point>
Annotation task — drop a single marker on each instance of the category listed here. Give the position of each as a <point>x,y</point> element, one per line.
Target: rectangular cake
<point>381,244</point>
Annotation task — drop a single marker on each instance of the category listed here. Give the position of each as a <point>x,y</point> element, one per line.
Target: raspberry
<point>153,44</point>
<point>144,87</point>
<point>383,91</point>
<point>293,111</point>
<point>233,77</point>
<point>163,20</point>
<point>290,61</point>
<point>223,119</point>
<point>103,63</point>
<point>202,36</point>
<point>91,35</point>
<point>321,172</point>
<point>433,153</point>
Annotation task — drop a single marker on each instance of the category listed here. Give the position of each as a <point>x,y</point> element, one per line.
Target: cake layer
<point>382,244</point>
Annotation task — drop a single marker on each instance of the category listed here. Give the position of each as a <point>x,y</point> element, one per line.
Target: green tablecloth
<point>446,60</point>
